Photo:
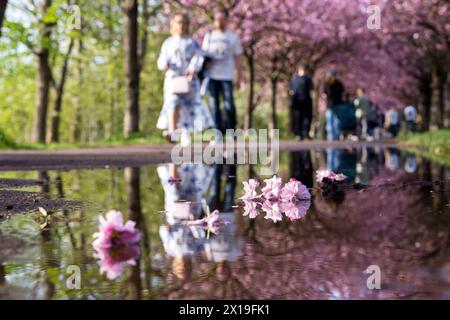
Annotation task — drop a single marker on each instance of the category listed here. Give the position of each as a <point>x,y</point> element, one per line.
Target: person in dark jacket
<point>300,87</point>
<point>334,91</point>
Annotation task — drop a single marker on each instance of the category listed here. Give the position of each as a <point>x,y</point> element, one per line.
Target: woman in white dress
<point>182,56</point>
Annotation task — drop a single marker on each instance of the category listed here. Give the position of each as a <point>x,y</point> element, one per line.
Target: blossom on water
<point>330,175</point>
<point>113,232</point>
<point>293,199</point>
<point>250,189</point>
<point>272,188</point>
<point>212,222</point>
<point>114,260</point>
<point>295,210</point>
<point>294,190</point>
<point>116,244</point>
<point>272,210</point>
<point>251,209</point>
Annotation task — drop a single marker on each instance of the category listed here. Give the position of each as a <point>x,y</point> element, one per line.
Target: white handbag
<point>180,85</point>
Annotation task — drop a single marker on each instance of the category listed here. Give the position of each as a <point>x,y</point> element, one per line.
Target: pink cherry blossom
<point>295,210</point>
<point>212,222</point>
<point>272,188</point>
<point>272,210</point>
<point>114,260</point>
<point>250,189</point>
<point>321,174</point>
<point>116,244</point>
<point>113,232</point>
<point>251,209</point>
<point>294,190</point>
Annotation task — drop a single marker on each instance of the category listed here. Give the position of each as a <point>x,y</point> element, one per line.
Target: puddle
<point>392,211</point>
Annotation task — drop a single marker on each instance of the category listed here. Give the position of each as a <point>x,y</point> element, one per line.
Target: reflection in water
<point>393,212</point>
<point>116,244</point>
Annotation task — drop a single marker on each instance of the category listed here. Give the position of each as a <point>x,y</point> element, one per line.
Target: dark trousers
<point>215,200</point>
<point>224,89</point>
<point>301,116</point>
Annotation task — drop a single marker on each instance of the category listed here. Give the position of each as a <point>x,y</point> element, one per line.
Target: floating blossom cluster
<point>328,175</point>
<point>293,199</point>
<point>211,223</point>
<point>116,244</point>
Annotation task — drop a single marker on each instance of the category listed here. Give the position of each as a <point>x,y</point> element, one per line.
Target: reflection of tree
<point>134,212</point>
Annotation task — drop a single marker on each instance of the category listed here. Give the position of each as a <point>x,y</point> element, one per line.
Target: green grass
<point>433,144</point>
<point>7,143</point>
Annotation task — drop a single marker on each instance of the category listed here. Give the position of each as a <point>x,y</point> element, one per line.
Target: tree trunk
<point>134,212</point>
<point>56,117</point>
<point>131,121</point>
<point>447,102</point>
<point>77,105</point>
<point>437,99</point>
<point>251,91</point>
<point>43,78</point>
<point>425,105</point>
<point>273,103</point>
<point>3,4</point>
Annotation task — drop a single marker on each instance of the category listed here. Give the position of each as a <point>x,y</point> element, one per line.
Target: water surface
<point>394,213</point>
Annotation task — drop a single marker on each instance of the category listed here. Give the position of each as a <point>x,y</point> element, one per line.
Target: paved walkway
<point>133,155</point>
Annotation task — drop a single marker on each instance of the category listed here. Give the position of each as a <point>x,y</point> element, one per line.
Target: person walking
<point>224,48</point>
<point>334,91</point>
<point>364,110</point>
<point>392,122</point>
<point>300,88</point>
<point>181,59</point>
<point>410,113</point>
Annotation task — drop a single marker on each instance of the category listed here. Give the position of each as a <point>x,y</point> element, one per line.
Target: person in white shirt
<point>410,117</point>
<point>225,49</point>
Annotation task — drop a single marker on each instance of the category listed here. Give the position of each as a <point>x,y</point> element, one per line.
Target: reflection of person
<point>215,202</point>
<point>193,181</point>
<point>392,157</point>
<point>226,245</point>
<point>411,163</point>
<point>342,161</point>
<point>300,87</point>
<point>181,58</point>
<point>334,91</point>
<point>224,47</point>
<point>301,167</point>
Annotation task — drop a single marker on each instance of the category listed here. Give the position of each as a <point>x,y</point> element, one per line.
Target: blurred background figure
<point>392,159</point>
<point>392,122</point>
<point>334,91</point>
<point>225,49</point>
<point>364,112</point>
<point>347,118</point>
<point>410,114</point>
<point>300,88</point>
<point>411,163</point>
